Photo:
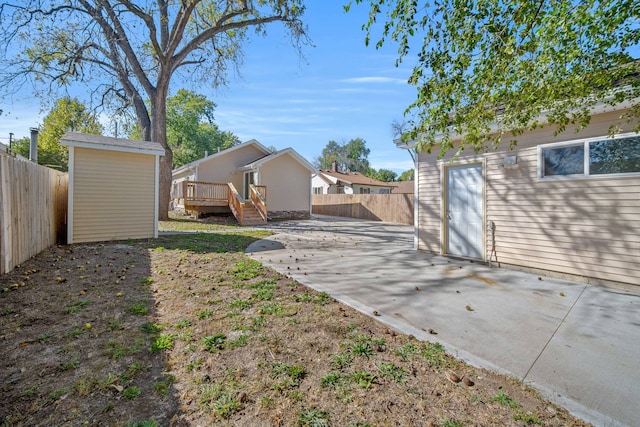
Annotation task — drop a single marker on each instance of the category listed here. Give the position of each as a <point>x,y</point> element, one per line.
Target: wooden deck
<point>201,197</point>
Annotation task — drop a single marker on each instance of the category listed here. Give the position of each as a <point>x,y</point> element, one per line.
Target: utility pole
<point>10,139</point>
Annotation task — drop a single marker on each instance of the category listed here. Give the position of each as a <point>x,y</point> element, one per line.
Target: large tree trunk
<point>159,134</point>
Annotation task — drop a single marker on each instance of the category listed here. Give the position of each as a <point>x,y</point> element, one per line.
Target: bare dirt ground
<point>185,330</point>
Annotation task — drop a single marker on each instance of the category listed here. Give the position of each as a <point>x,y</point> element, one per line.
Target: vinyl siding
<point>223,169</point>
<point>580,227</point>
<point>288,184</point>
<point>113,195</point>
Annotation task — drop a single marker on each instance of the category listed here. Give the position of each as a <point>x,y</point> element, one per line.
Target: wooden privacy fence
<point>396,208</point>
<point>33,209</point>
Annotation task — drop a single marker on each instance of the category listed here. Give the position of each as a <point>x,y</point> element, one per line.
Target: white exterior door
<point>464,211</point>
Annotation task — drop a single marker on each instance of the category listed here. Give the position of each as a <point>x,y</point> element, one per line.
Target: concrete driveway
<point>579,345</point>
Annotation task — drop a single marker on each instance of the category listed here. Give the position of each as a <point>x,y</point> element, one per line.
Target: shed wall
<point>113,195</point>
<point>580,227</point>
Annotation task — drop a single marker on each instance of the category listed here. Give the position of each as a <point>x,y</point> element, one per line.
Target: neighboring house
<point>566,203</point>
<point>403,187</point>
<point>335,182</point>
<point>113,188</point>
<point>284,177</point>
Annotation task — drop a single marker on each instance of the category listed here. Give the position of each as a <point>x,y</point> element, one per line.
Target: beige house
<point>263,183</point>
<point>333,181</point>
<point>113,188</point>
<point>567,204</point>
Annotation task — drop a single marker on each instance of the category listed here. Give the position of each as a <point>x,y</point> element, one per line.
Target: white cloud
<point>373,79</point>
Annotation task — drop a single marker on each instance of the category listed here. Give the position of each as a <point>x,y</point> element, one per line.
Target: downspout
<point>416,190</point>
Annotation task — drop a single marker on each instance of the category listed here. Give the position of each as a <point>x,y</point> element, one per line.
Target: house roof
<point>271,156</point>
<point>403,187</point>
<point>195,163</point>
<point>99,142</point>
<point>354,178</point>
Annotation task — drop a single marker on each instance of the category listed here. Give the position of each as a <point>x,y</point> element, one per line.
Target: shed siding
<point>288,184</point>
<point>582,227</point>
<point>113,195</point>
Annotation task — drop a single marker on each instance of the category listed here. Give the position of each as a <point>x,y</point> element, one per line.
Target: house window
<point>590,157</point>
<point>365,190</point>
<point>385,191</point>
<point>317,190</point>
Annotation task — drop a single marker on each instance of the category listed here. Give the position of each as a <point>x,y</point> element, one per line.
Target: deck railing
<point>235,202</point>
<point>258,196</point>
<point>197,191</point>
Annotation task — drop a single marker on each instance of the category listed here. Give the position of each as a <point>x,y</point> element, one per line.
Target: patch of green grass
<point>363,379</point>
<point>115,325</point>
<point>151,328</point>
<point>7,311</point>
<point>436,355</point>
<point>264,284</point>
<point>194,365</point>
<point>362,349</point>
<point>263,294</point>
<point>29,391</point>
<point>146,280</point>
<point>75,332</point>
<point>526,418</point>
<point>184,323</point>
<point>332,379</point>
<point>70,364</point>
<point>205,314</point>
<point>214,342</point>
<point>407,351</point>
<point>247,269</point>
<point>503,399</point>
<point>56,394</point>
<point>139,308</point>
<point>240,304</point>
<point>221,399</point>
<point>241,341</point>
<point>313,418</point>
<point>163,342</point>
<point>164,387</point>
<point>132,371</point>
<point>143,423</point>
<point>131,392</point>
<point>450,422</point>
<point>271,308</point>
<point>86,385</point>
<point>77,306</point>
<point>389,370</point>
<point>341,360</point>
<point>289,376</point>
<point>115,349</point>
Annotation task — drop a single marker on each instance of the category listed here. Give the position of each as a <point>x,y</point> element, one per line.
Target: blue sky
<point>340,90</point>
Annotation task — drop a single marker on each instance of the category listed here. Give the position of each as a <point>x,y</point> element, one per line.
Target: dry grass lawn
<point>186,330</point>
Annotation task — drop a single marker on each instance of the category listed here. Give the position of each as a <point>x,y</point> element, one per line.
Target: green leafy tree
<point>349,156</point>
<point>357,155</point>
<point>127,51</point>
<point>67,115</point>
<point>191,130</point>
<point>407,175</point>
<point>332,152</point>
<point>488,67</point>
<point>384,175</point>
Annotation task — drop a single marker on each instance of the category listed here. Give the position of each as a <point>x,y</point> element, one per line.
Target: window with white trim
<point>317,190</point>
<point>590,157</point>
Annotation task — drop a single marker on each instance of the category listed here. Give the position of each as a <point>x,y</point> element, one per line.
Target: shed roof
<point>99,142</point>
